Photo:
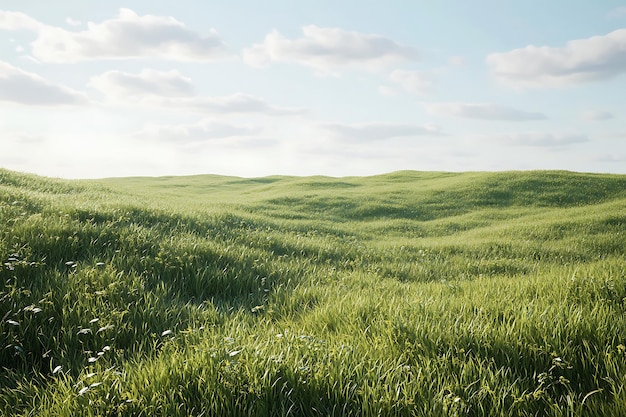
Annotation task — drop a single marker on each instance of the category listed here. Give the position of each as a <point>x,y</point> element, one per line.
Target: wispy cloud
<point>541,139</point>
<point>204,130</point>
<point>173,90</point>
<point>237,103</point>
<point>147,82</point>
<point>234,103</point>
<point>126,36</point>
<point>611,135</point>
<point>582,60</point>
<point>415,82</point>
<point>368,132</point>
<point>611,158</point>
<point>617,12</point>
<point>328,49</point>
<point>597,115</point>
<point>482,111</point>
<point>19,86</point>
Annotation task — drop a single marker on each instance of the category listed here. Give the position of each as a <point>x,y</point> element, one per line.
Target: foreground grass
<point>426,294</point>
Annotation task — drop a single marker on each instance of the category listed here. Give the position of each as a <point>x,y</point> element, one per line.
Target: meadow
<point>406,294</point>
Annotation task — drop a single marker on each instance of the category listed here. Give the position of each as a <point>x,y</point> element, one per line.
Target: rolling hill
<point>410,293</point>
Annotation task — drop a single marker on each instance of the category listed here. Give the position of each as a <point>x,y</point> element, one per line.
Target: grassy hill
<point>411,293</point>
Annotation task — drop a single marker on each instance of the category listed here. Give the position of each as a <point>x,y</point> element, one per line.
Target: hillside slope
<point>411,293</point>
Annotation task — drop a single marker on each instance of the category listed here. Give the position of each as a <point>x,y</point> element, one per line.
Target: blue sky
<point>95,89</point>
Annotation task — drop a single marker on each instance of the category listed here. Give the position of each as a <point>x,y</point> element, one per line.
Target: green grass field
<point>407,294</point>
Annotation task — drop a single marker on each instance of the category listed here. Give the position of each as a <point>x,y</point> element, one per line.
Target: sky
<point>92,89</point>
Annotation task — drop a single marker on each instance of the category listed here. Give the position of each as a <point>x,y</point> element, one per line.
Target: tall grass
<point>425,294</point>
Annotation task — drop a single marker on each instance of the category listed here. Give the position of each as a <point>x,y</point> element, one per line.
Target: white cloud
<point>416,82</point>
<point>597,115</point>
<point>18,21</point>
<point>19,86</point>
<point>204,130</point>
<point>581,60</point>
<point>368,132</point>
<point>541,139</point>
<point>482,111</point>
<point>173,90</point>
<point>326,49</point>
<point>148,82</point>
<point>126,36</point>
